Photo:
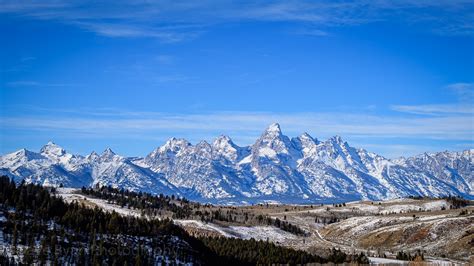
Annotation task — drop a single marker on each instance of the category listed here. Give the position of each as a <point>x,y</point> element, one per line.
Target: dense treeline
<point>327,220</point>
<point>418,256</point>
<point>42,228</point>
<point>258,252</point>
<point>149,204</point>
<point>39,228</point>
<point>251,251</point>
<point>181,208</point>
<point>455,202</point>
<point>283,225</point>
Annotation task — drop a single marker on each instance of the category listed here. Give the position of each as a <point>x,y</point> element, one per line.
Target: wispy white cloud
<point>250,124</point>
<point>465,91</point>
<point>311,32</point>
<point>31,83</point>
<point>22,83</point>
<point>465,104</point>
<point>435,109</point>
<point>176,21</point>
<point>165,34</point>
<point>391,134</point>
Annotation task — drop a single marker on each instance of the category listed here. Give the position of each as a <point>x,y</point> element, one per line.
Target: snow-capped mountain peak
<point>308,137</point>
<point>272,130</point>
<point>29,155</point>
<point>92,156</point>
<point>223,141</point>
<point>59,155</point>
<point>16,159</point>
<point>272,142</point>
<point>305,143</point>
<point>108,154</point>
<point>52,149</point>
<point>225,147</point>
<point>337,140</point>
<point>203,148</point>
<point>174,145</point>
<point>274,168</point>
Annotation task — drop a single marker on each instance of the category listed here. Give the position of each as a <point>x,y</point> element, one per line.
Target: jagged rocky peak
<point>225,144</point>
<point>336,143</point>
<point>306,136</point>
<point>273,144</point>
<point>167,151</point>
<point>293,170</point>
<point>203,147</point>
<point>92,156</point>
<point>225,147</point>
<point>174,144</point>
<point>52,149</point>
<point>20,156</point>
<point>26,153</point>
<point>304,141</point>
<point>107,154</point>
<point>272,130</point>
<point>337,140</point>
<point>468,153</point>
<point>222,141</point>
<point>272,135</point>
<point>203,144</point>
<point>177,142</point>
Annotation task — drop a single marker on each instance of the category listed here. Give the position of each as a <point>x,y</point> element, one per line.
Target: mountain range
<point>274,169</point>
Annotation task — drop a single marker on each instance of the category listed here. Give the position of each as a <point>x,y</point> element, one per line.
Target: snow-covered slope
<point>110,169</point>
<point>274,169</point>
<point>53,166</point>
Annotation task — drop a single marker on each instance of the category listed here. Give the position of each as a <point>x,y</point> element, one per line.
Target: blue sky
<point>394,78</point>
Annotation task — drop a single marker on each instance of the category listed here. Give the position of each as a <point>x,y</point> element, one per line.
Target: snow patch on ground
<point>271,233</point>
<point>383,261</point>
<point>403,206</point>
<point>205,226</point>
<point>71,194</point>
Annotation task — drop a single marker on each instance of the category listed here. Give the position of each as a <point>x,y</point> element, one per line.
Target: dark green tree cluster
<point>229,215</point>
<point>286,226</point>
<point>283,225</point>
<point>56,232</point>
<point>327,220</point>
<point>456,202</point>
<point>402,255</point>
<point>151,205</point>
<point>5,260</point>
<point>183,209</point>
<point>337,256</point>
<point>252,252</point>
<point>50,231</point>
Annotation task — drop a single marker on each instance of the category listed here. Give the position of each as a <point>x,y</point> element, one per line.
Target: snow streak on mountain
<point>274,169</point>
